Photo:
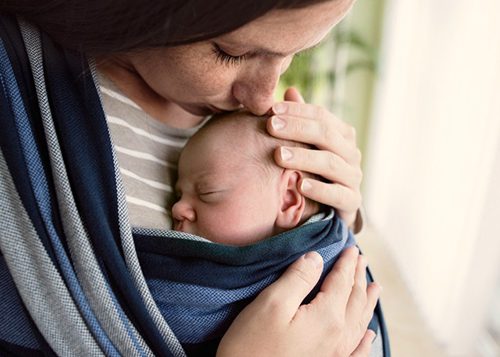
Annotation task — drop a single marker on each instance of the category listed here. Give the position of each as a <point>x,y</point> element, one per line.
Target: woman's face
<point>240,68</point>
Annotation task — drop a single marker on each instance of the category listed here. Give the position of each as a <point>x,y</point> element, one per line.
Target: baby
<point>230,189</point>
<point>239,223</point>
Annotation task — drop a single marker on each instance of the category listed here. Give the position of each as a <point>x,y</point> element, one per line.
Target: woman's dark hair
<point>110,26</point>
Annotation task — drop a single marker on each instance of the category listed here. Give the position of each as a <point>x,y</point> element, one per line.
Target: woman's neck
<point>136,89</point>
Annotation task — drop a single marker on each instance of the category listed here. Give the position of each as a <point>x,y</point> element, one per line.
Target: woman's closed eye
<point>225,57</point>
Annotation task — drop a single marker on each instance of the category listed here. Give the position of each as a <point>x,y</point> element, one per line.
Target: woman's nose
<point>182,211</point>
<point>256,92</point>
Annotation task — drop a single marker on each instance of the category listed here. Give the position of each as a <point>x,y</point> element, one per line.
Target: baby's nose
<point>182,211</point>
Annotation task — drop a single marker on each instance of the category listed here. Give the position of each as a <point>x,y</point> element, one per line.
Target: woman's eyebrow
<point>261,51</point>
<point>270,53</point>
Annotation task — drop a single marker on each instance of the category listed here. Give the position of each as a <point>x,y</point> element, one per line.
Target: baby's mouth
<point>178,226</point>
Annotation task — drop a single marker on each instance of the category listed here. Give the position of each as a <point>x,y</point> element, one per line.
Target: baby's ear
<point>292,203</point>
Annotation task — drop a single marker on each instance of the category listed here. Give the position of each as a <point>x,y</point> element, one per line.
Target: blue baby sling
<point>75,278</point>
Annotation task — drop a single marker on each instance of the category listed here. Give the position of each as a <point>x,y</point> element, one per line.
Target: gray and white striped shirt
<point>147,152</point>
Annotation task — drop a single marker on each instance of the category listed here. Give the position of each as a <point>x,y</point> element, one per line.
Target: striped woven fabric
<point>201,286</point>
<point>75,278</point>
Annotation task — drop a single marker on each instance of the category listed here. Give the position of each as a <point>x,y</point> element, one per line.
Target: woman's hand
<point>334,323</point>
<point>338,159</point>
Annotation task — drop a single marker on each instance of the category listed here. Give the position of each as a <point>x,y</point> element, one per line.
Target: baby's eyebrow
<point>211,182</point>
<point>202,185</point>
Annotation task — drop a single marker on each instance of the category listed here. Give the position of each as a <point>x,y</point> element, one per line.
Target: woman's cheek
<point>216,80</point>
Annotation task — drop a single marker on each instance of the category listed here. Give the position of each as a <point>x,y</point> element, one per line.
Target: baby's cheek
<point>214,226</point>
<point>224,227</point>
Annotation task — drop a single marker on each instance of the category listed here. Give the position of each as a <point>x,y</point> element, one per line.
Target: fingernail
<point>277,123</point>
<point>314,258</point>
<point>279,108</point>
<point>305,186</point>
<point>374,335</point>
<point>285,154</point>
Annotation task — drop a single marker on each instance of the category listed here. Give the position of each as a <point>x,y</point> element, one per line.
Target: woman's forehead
<point>287,31</point>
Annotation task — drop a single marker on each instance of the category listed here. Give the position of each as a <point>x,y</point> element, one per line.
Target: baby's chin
<point>237,240</point>
<point>186,228</point>
<point>233,240</point>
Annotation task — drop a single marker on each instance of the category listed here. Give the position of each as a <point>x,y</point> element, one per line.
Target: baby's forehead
<point>238,133</point>
<point>238,123</point>
<point>236,129</point>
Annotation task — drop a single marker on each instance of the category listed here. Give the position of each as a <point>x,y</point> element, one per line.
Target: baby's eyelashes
<point>211,196</point>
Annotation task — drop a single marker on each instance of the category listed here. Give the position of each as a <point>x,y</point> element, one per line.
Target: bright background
<point>420,81</point>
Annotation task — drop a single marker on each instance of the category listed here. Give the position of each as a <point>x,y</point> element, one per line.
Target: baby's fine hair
<point>247,123</point>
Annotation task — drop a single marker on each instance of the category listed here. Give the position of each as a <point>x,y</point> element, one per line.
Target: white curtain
<point>432,178</point>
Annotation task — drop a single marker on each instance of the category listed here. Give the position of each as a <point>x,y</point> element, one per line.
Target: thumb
<point>293,95</point>
<point>296,282</point>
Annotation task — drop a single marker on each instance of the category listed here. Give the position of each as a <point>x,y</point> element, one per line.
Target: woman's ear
<point>292,203</point>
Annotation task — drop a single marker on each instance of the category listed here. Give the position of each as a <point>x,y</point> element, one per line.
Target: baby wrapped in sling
<point>240,221</point>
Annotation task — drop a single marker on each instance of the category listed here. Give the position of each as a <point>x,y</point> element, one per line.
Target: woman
<point>76,268</point>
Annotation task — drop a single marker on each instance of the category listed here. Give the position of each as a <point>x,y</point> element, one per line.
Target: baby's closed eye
<point>212,196</point>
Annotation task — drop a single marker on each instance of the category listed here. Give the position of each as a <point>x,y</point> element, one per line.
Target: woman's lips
<point>218,110</point>
<point>215,110</point>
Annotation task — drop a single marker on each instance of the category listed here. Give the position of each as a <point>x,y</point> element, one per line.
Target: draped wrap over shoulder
<point>75,278</point>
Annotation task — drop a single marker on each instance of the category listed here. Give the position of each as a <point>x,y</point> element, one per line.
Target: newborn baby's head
<point>230,189</point>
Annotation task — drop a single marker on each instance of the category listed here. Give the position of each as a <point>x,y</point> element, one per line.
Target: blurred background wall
<point>420,80</point>
<point>432,167</point>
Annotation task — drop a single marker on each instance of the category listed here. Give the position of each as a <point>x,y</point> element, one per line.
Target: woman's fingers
<point>323,135</point>
<point>295,283</point>
<point>311,111</point>
<point>345,302</point>
<point>338,196</point>
<point>337,285</point>
<point>365,346</point>
<point>338,159</point>
<point>358,298</point>
<point>372,295</point>
<point>320,162</point>
<point>345,289</point>
<point>361,305</point>
<point>293,95</point>
<point>276,323</point>
<point>345,200</point>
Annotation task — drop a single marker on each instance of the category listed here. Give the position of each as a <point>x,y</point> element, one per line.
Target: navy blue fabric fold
<point>380,321</point>
<point>9,140</point>
<point>187,261</point>
<point>87,150</point>
<point>86,145</point>
<point>24,130</point>
<point>200,287</point>
<point>20,335</point>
